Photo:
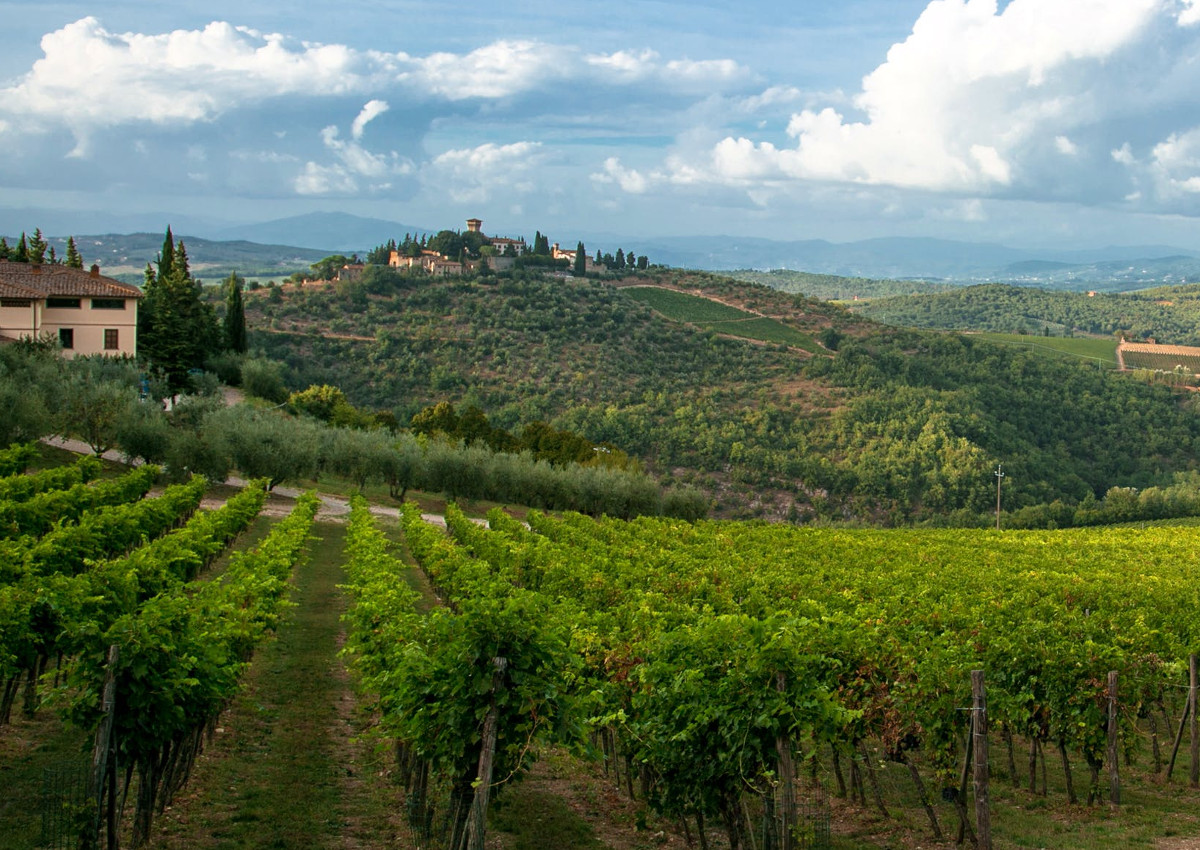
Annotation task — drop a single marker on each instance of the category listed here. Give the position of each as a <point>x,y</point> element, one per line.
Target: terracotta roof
<point>25,280</point>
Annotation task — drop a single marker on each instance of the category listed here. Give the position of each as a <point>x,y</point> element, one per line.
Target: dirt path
<point>285,769</point>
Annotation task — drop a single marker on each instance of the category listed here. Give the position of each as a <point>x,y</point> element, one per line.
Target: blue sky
<point>1031,122</point>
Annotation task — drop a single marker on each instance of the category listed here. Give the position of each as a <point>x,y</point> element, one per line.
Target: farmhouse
<point>85,311</point>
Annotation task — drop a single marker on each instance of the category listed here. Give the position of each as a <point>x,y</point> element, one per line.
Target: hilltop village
<point>451,253</point>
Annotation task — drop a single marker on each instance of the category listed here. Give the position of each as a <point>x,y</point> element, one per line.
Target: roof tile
<point>26,280</point>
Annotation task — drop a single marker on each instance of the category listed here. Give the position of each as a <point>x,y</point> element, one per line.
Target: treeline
<point>831,287</point>
<point>97,401</point>
<point>542,441</point>
<point>1017,309</point>
<point>35,249</point>
<point>1179,499</point>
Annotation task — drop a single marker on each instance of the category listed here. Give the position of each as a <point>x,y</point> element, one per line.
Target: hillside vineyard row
<point>703,652</point>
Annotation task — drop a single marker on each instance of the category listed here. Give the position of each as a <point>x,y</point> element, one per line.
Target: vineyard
<point>720,318</point>
<point>104,601</point>
<point>1166,359</point>
<point>728,675</point>
<point>743,685</point>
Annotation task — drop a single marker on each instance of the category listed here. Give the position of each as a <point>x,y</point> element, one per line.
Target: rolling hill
<point>876,424</point>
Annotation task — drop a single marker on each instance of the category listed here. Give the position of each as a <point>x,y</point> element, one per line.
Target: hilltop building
<point>589,264</point>
<point>506,252</point>
<point>85,311</point>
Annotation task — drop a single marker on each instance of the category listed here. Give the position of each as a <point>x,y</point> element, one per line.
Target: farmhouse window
<point>66,337</point>
<point>63,303</point>
<point>111,339</point>
<point>108,303</point>
<point>16,302</point>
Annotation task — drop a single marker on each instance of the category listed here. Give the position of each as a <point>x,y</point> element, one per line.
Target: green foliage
<point>327,268</point>
<point>17,486</point>
<point>266,445</point>
<point>36,515</point>
<point>16,458</point>
<point>263,378</point>
<point>830,287</point>
<point>1016,309</point>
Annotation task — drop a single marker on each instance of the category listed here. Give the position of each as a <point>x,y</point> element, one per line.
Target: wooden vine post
<point>483,780</point>
<point>1194,728</point>
<point>1114,770</point>
<point>787,779</point>
<point>102,749</point>
<point>979,736</point>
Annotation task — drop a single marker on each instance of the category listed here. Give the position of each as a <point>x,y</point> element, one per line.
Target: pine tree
<point>52,257</point>
<point>37,247</point>
<point>235,315</point>
<point>6,252</point>
<point>73,259</point>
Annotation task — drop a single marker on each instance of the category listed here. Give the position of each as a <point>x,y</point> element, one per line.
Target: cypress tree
<point>235,315</point>
<point>166,258</point>
<point>5,251</point>
<point>22,254</point>
<point>620,259</point>
<point>580,261</point>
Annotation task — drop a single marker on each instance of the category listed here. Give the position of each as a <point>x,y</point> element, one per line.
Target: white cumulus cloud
<point>90,78</point>
<point>355,167</point>
<point>370,111</point>
<point>475,175</point>
<point>973,101</point>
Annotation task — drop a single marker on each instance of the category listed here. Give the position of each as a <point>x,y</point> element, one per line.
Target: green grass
<point>719,318</point>
<point>681,307</point>
<point>532,819</point>
<point>286,772</point>
<point>1088,348</point>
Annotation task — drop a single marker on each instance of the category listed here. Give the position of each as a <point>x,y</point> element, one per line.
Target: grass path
<point>285,770</point>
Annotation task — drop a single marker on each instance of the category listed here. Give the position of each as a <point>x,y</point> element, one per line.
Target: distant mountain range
<point>288,244</point>
<point>340,232</point>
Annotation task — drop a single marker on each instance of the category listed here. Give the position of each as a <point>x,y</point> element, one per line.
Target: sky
<point>1065,123</point>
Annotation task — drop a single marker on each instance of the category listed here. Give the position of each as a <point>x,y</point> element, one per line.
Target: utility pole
<point>999,476</point>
